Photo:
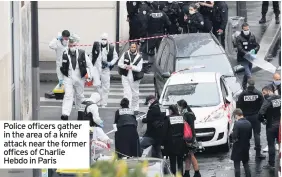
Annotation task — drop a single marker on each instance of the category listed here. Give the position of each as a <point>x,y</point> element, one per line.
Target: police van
<point>210,98</point>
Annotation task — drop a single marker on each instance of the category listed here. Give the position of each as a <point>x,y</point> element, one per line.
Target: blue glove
<point>253,51</point>
<point>101,124</point>
<point>60,38</point>
<point>109,64</point>
<point>61,83</point>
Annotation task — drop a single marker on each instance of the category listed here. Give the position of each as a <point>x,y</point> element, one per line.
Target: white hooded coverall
<point>131,87</point>
<point>57,45</point>
<point>74,84</point>
<point>105,74</point>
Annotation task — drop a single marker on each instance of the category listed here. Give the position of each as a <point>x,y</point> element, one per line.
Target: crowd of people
<point>156,18</point>
<point>165,131</point>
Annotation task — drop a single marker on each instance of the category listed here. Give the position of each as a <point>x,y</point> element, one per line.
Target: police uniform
<point>195,23</point>
<point>132,10</point>
<point>244,45</point>
<point>173,12</point>
<point>271,113</point>
<point>250,101</point>
<point>207,15</point>
<point>220,19</point>
<point>126,136</point>
<point>264,10</point>
<point>175,144</point>
<point>157,23</point>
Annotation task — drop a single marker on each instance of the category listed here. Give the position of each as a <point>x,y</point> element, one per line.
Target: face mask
<point>277,82</point>
<point>266,96</point>
<point>104,42</point>
<point>246,32</point>
<point>65,42</point>
<point>72,49</point>
<point>191,12</point>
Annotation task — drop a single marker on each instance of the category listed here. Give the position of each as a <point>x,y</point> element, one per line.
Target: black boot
<point>277,19</point>
<point>186,174</point>
<point>64,117</point>
<point>197,174</point>
<point>262,20</point>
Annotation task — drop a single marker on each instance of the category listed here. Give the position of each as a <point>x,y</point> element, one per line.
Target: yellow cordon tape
<point>73,171</point>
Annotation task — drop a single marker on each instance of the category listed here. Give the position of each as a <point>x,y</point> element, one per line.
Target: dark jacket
<point>195,23</point>
<point>155,122</point>
<point>274,88</point>
<point>158,21</point>
<point>174,137</point>
<point>250,101</point>
<point>271,111</point>
<point>220,15</point>
<point>132,8</point>
<point>190,118</point>
<point>242,133</point>
<point>245,44</point>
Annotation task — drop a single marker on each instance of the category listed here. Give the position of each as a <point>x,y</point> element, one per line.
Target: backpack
<point>88,116</point>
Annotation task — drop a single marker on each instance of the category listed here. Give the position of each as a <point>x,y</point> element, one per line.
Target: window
<point>223,89</point>
<point>196,94</point>
<point>164,57</point>
<point>170,63</point>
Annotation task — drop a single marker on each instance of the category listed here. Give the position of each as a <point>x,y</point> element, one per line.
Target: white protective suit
<point>56,44</point>
<point>131,87</point>
<point>74,84</point>
<point>104,73</point>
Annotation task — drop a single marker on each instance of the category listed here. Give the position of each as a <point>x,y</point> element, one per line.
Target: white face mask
<point>72,49</point>
<point>65,42</point>
<point>192,12</point>
<point>246,32</point>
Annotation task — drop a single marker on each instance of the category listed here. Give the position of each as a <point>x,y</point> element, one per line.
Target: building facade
<point>88,19</point>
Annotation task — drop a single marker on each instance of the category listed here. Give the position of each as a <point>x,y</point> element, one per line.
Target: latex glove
<point>197,5</point>
<point>61,83</point>
<point>253,51</point>
<point>109,64</point>
<point>101,124</point>
<point>115,127</point>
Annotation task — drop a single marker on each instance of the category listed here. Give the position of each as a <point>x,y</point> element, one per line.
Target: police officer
<point>172,10</point>
<point>264,10</point>
<point>126,137</point>
<point>206,10</point>
<point>175,144</point>
<point>194,19</point>
<point>142,16</point>
<point>184,10</point>
<point>154,133</point>
<point>242,134</point>
<point>276,84</point>
<point>219,20</point>
<point>246,44</point>
<point>250,101</point>
<point>132,10</point>
<point>158,22</point>
<point>270,113</point>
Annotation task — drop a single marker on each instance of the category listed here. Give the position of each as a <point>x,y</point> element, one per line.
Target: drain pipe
<point>117,25</point>
<point>35,67</point>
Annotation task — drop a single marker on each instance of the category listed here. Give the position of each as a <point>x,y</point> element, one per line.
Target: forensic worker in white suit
<point>74,67</point>
<point>60,44</point>
<point>130,68</point>
<point>104,57</point>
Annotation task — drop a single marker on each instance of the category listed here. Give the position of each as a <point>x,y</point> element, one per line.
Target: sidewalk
<point>48,72</point>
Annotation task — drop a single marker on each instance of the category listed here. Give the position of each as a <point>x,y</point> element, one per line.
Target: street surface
<point>211,162</point>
